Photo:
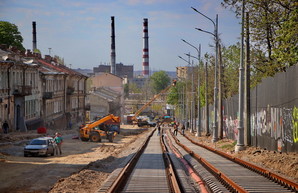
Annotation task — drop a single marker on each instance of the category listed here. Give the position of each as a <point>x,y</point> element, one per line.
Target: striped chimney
<point>34,36</point>
<point>113,49</point>
<point>146,49</point>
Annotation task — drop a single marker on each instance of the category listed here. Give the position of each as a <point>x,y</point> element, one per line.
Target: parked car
<point>40,146</point>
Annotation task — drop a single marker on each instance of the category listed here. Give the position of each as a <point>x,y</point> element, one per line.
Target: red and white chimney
<point>113,49</point>
<point>145,49</point>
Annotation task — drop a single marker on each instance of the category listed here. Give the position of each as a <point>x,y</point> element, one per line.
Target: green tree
<point>173,96</point>
<point>133,88</point>
<point>36,51</point>
<point>287,38</point>
<point>10,35</point>
<point>159,81</point>
<point>273,29</point>
<point>126,90</point>
<point>231,61</point>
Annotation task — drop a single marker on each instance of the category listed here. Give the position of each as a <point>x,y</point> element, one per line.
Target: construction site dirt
<point>84,166</point>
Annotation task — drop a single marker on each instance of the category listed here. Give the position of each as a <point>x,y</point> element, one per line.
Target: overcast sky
<point>80,31</point>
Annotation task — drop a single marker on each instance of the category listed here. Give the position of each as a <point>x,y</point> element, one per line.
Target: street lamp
<point>198,58</point>
<point>215,34</point>
<point>191,106</point>
<point>240,139</point>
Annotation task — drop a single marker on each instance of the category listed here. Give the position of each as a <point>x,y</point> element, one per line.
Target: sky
<point>80,31</point>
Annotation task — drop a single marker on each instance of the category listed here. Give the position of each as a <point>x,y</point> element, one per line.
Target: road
<point>42,174</point>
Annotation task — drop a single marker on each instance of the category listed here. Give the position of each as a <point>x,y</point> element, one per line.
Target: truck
<point>106,127</point>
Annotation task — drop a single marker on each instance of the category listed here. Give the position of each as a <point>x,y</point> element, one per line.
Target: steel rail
<point>230,184</point>
<point>119,183</point>
<point>202,185</point>
<point>174,183</point>
<point>122,179</point>
<point>270,175</point>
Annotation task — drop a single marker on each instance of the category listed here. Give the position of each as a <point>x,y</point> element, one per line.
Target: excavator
<point>108,126</point>
<point>139,122</point>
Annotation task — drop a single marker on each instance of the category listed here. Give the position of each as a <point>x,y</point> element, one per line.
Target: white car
<point>40,146</point>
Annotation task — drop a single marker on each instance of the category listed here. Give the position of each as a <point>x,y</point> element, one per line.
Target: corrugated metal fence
<point>274,113</point>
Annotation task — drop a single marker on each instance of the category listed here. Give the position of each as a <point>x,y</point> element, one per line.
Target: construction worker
<point>58,140</point>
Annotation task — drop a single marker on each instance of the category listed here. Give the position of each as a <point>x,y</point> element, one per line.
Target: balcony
<point>47,95</point>
<point>70,90</point>
<point>22,90</point>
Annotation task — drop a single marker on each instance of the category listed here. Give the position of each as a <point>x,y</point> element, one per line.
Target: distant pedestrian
<point>175,129</point>
<point>183,128</point>
<point>58,140</point>
<point>5,127</point>
<point>158,128</point>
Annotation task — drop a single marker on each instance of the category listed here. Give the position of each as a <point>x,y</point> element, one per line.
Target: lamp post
<point>240,141</point>
<point>206,100</point>
<point>199,59</point>
<point>191,101</point>
<point>215,34</point>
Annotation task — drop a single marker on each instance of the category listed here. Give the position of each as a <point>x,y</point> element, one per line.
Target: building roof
<point>57,68</point>
<point>106,73</point>
<point>106,93</point>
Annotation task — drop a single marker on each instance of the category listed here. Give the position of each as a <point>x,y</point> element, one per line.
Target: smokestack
<point>34,36</point>
<point>113,51</point>
<point>146,50</point>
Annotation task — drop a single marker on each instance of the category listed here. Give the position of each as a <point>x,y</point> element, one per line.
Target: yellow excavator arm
<point>134,118</point>
<point>102,120</point>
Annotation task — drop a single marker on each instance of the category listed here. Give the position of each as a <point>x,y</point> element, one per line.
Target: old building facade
<point>37,92</point>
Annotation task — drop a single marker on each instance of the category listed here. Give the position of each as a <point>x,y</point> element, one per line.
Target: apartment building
<point>39,92</point>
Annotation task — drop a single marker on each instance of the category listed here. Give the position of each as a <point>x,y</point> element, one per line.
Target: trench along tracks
<point>162,166</point>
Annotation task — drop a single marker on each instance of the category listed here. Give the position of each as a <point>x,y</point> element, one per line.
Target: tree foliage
<point>10,35</point>
<point>126,90</point>
<point>37,51</point>
<point>174,92</point>
<point>133,88</point>
<point>159,81</point>
<point>231,61</point>
<point>273,29</point>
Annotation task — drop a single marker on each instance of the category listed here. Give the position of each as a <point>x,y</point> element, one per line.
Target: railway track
<point>148,170</point>
<point>177,164</point>
<point>234,174</point>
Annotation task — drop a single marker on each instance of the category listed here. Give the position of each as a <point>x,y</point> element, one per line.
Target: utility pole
<point>198,134</point>
<point>240,140</point>
<point>247,86</point>
<point>193,105</point>
<point>220,122</point>
<point>192,97</point>
<point>215,34</point>
<point>215,125</point>
<point>184,107</point>
<point>206,100</point>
